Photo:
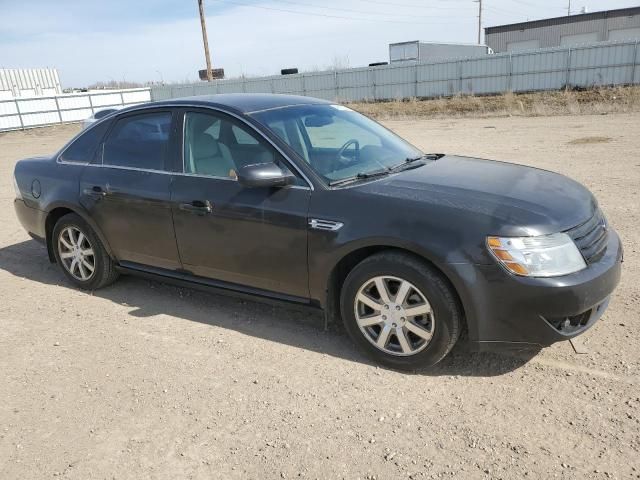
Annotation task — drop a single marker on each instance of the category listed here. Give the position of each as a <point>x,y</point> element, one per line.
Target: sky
<point>160,40</point>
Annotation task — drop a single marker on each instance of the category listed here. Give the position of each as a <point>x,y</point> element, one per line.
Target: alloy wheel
<point>76,253</point>
<point>394,315</point>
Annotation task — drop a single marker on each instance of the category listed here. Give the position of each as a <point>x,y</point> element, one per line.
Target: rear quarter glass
<point>83,148</point>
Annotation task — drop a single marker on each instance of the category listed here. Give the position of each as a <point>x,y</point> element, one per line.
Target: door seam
<point>173,221</point>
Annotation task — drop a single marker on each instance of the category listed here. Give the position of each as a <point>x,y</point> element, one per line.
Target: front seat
<point>211,157</point>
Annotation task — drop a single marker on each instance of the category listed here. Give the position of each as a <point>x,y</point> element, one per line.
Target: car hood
<point>509,199</point>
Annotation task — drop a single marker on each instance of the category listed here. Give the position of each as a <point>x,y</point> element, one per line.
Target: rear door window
<point>139,141</point>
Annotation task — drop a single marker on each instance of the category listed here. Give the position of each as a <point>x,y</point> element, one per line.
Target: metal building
<point>28,82</point>
<point>610,25</point>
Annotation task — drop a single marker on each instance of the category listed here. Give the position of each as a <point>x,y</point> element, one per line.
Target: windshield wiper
<point>412,162</point>
<point>361,176</point>
<point>426,156</point>
<point>408,164</point>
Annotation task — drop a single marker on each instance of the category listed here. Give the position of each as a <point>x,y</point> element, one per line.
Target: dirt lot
<point>143,380</point>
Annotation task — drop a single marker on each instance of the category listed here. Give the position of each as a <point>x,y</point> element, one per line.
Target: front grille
<point>591,237</point>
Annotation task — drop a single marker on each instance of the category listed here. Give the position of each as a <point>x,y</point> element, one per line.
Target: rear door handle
<point>199,207</point>
<point>95,191</point>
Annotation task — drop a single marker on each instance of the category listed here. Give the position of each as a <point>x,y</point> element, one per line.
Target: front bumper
<point>507,311</point>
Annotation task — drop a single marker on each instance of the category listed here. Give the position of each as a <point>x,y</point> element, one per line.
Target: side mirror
<point>264,175</point>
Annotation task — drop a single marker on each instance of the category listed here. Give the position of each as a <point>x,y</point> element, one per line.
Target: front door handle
<point>199,207</point>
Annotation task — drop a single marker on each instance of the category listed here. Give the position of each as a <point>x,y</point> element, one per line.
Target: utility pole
<point>479,21</point>
<point>569,9</point>
<point>205,41</point>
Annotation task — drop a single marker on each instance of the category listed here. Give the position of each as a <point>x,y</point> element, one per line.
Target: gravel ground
<point>144,380</point>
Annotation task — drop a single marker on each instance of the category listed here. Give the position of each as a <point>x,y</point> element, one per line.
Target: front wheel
<point>400,310</point>
<point>81,255</point>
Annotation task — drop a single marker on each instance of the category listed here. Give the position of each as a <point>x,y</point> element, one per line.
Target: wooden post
<point>203,24</point>
<point>479,22</point>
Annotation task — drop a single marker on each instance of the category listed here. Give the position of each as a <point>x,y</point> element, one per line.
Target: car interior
<point>217,147</point>
<point>333,146</point>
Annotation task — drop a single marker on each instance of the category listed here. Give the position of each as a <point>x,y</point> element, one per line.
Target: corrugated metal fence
<point>22,113</point>
<point>548,69</point>
<point>594,65</point>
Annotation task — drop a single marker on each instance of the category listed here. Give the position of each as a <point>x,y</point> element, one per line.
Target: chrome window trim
<point>134,169</point>
<point>181,174</point>
<point>62,162</point>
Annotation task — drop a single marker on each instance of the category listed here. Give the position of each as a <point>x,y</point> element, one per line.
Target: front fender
<point>325,253</point>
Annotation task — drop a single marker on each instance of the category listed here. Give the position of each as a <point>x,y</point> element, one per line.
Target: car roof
<point>244,102</point>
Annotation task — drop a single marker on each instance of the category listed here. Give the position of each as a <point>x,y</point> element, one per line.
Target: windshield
<point>337,142</point>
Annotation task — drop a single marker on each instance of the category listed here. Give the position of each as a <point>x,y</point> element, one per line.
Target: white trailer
<point>418,51</point>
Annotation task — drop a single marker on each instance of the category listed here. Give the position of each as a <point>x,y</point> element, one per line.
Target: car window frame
<point>171,142</point>
<point>179,160</point>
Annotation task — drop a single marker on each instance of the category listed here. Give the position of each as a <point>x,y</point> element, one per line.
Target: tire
<point>65,236</point>
<point>428,336</point>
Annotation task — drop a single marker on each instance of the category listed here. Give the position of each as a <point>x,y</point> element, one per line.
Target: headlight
<point>542,256</point>
<point>15,185</point>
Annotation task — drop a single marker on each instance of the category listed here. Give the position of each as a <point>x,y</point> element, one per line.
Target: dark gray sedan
<point>300,200</point>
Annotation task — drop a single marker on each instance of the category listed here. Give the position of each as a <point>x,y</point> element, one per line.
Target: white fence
<point>601,64</point>
<point>23,113</point>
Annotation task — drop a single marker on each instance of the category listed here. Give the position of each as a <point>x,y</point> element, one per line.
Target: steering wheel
<point>344,159</point>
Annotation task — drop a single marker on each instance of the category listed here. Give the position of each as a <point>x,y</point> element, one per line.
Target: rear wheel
<point>81,255</point>
<point>400,310</point>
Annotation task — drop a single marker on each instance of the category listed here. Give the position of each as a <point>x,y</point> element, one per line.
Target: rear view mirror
<point>318,120</point>
<point>264,175</point>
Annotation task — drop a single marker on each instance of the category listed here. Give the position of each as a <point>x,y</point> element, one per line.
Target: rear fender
<point>80,211</point>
